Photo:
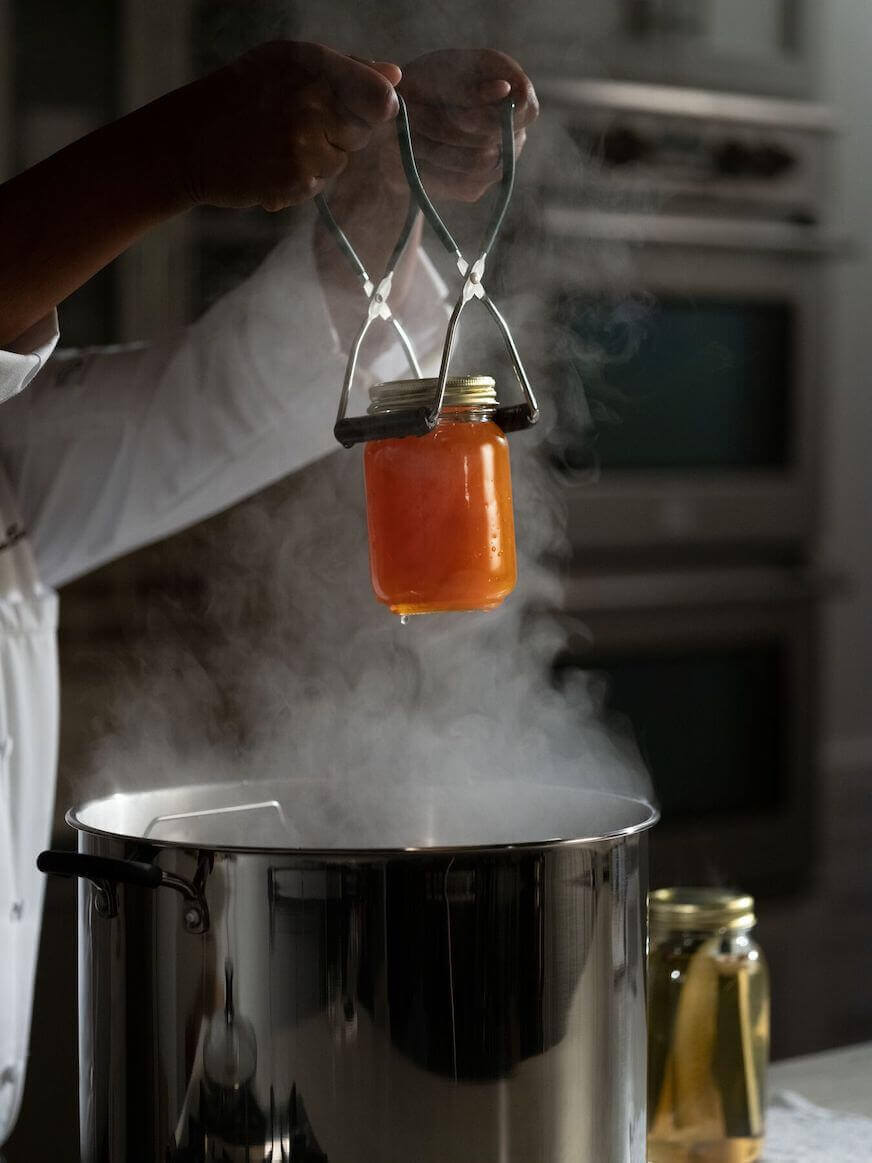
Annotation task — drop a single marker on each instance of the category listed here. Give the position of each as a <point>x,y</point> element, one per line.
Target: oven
<point>699,383</point>
<point>684,308</point>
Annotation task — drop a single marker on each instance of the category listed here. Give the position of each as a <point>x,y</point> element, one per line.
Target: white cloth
<point>24,358</point>
<point>798,1131</point>
<point>28,756</point>
<point>109,450</point>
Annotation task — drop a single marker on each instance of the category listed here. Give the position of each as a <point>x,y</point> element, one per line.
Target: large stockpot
<point>312,972</point>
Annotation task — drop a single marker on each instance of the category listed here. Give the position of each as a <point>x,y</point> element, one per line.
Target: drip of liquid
<point>404,618</point>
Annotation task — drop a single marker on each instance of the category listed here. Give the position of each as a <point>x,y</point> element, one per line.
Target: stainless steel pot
<point>439,974</point>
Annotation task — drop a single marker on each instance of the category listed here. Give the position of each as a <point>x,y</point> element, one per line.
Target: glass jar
<point>708,1028</point>
<point>439,507</point>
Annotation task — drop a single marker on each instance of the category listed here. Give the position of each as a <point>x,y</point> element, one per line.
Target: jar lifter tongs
<point>418,421</point>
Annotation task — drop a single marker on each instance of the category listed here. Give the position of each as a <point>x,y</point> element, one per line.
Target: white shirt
<point>111,449</point>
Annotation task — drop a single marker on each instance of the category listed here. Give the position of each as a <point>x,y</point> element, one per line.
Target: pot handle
<point>105,872</point>
<point>97,868</point>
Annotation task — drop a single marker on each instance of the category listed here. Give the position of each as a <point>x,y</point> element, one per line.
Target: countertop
<point>839,1079</point>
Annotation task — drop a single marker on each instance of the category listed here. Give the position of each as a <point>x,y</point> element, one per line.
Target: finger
<point>345,131</point>
<point>315,128</point>
<point>391,72</point>
<point>363,90</point>
<point>457,173</point>
<point>482,160</point>
<point>466,78</point>
<point>455,187</point>
<point>486,118</point>
<point>294,195</point>
<point>445,125</point>
<point>315,109</point>
<point>327,160</point>
<point>465,127</point>
<point>494,90</point>
<point>302,171</point>
<point>311,153</point>
<point>284,194</point>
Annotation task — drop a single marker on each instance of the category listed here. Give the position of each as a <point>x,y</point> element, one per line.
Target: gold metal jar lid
<point>460,391</point>
<point>698,910</point>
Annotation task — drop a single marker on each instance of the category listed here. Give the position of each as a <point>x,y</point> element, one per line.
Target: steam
<point>286,667</point>
<point>294,672</point>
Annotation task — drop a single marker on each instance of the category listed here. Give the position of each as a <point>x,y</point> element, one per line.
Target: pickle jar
<point>439,506</point>
<point>708,1028</point>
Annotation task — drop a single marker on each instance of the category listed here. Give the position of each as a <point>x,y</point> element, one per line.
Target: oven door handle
<point>107,872</point>
<point>688,232</point>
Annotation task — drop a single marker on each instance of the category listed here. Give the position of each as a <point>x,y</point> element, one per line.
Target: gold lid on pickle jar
<point>700,910</point>
<point>460,391</point>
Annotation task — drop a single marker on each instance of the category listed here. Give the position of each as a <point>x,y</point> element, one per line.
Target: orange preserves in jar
<point>439,507</point>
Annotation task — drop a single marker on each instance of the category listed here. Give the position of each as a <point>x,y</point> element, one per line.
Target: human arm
<point>113,450</point>
<point>270,129</point>
<point>110,450</point>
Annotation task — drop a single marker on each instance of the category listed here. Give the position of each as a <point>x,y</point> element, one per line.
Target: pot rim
<point>368,854</point>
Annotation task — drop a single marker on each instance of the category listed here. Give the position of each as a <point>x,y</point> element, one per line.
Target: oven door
<point>715,673</point>
<point>685,357</point>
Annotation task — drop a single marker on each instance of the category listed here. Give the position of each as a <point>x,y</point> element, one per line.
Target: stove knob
<point>772,160</point>
<point>623,146</point>
<point>733,159</point>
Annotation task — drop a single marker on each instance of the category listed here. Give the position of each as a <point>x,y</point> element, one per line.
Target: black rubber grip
<point>516,417</point>
<point>99,868</point>
<point>390,426</point>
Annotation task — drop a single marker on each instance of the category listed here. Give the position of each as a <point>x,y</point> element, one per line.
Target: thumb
<point>466,78</point>
<point>364,90</point>
<point>391,72</point>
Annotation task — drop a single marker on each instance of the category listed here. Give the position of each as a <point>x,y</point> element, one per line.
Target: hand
<point>267,131</point>
<point>271,128</point>
<point>453,97</point>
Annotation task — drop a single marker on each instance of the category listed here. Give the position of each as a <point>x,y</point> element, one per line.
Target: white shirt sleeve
<point>20,362</point>
<point>109,450</point>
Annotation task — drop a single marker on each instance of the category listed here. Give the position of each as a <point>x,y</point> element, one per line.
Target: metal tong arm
<point>378,306</point>
<point>420,195</point>
<point>360,270</point>
<point>344,243</point>
<point>511,418</point>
